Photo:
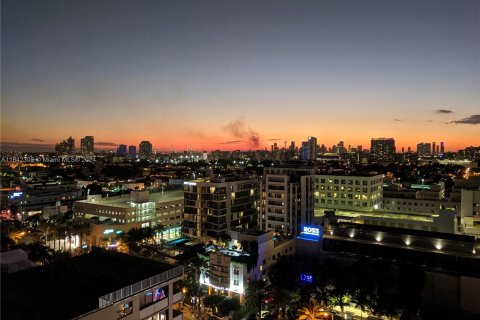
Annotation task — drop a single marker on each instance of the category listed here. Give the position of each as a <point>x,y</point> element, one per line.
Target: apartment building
<point>213,207</point>
<point>358,192</point>
<point>287,198</point>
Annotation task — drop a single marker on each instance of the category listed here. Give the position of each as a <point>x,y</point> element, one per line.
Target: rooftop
<point>377,214</point>
<point>74,285</point>
<point>124,201</point>
<point>350,174</point>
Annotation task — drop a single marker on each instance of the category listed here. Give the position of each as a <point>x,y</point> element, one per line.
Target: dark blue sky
<point>179,72</point>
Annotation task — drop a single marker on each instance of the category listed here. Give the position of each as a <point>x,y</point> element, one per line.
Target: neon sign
<point>313,231</point>
<point>14,195</point>
<point>306,278</point>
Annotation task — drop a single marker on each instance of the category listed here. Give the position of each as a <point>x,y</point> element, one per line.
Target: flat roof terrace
<point>124,201</point>
<point>72,287</point>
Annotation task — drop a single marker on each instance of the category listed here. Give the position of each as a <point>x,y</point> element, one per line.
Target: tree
<point>195,270</point>
<point>159,229</point>
<point>214,301</point>
<point>229,306</point>
<point>137,238</point>
<point>254,294</point>
<point>312,311</point>
<point>225,238</point>
<point>39,253</point>
<point>34,220</point>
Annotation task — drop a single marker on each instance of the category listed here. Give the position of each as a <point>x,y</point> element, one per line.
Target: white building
<point>113,216</point>
<point>229,272</point>
<point>287,201</point>
<point>348,192</point>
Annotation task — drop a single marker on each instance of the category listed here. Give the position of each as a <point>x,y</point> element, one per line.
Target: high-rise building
<point>66,147</point>
<point>309,149</point>
<point>383,149</point>
<point>122,150</point>
<point>213,207</point>
<point>424,149</point>
<point>442,147</point>
<point>145,149</point>
<point>434,148</point>
<point>132,152</point>
<point>287,198</point>
<point>86,146</point>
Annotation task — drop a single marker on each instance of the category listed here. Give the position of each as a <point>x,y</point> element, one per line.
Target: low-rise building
<point>233,267</point>
<point>103,285</point>
<point>110,217</point>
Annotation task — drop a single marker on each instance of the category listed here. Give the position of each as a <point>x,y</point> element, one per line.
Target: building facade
<point>213,207</point>
<point>383,149</point>
<point>87,146</point>
<point>348,192</point>
<point>145,149</point>
<point>287,198</point>
<point>116,215</point>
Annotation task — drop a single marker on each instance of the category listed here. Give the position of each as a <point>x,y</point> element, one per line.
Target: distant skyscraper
<point>424,149</point>
<point>145,149</point>
<point>132,152</point>
<point>309,149</point>
<point>122,150</point>
<point>434,148</point>
<point>383,149</point>
<point>66,147</point>
<point>442,147</point>
<point>86,146</point>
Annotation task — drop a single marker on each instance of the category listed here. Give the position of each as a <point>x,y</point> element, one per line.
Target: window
<point>235,282</point>
<point>152,296</point>
<point>124,309</point>
<point>237,271</point>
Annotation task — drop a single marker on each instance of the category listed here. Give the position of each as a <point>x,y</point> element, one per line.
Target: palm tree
<point>159,229</point>
<point>196,269</point>
<point>80,228</point>
<point>313,311</point>
<point>254,294</point>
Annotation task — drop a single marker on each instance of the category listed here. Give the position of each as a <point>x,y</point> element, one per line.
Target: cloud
<point>275,139</point>
<point>429,120</point>
<point>26,147</point>
<point>231,142</point>
<point>443,111</point>
<point>238,129</point>
<point>26,144</point>
<point>38,140</point>
<point>106,144</point>
<point>397,120</point>
<point>473,119</point>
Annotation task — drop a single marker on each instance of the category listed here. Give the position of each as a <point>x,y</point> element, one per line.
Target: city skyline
<point>280,144</point>
<point>216,75</point>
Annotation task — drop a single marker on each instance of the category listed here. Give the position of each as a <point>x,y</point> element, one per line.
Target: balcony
<point>177,315</point>
<point>154,308</point>
<point>177,297</point>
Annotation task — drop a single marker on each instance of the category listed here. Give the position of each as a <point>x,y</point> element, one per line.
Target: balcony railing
<point>140,286</point>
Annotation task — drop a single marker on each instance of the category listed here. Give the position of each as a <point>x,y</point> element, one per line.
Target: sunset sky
<point>212,74</point>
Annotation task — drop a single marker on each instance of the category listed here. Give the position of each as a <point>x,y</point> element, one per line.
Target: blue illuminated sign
<point>314,231</point>
<point>311,233</point>
<point>14,195</point>
<point>306,278</point>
